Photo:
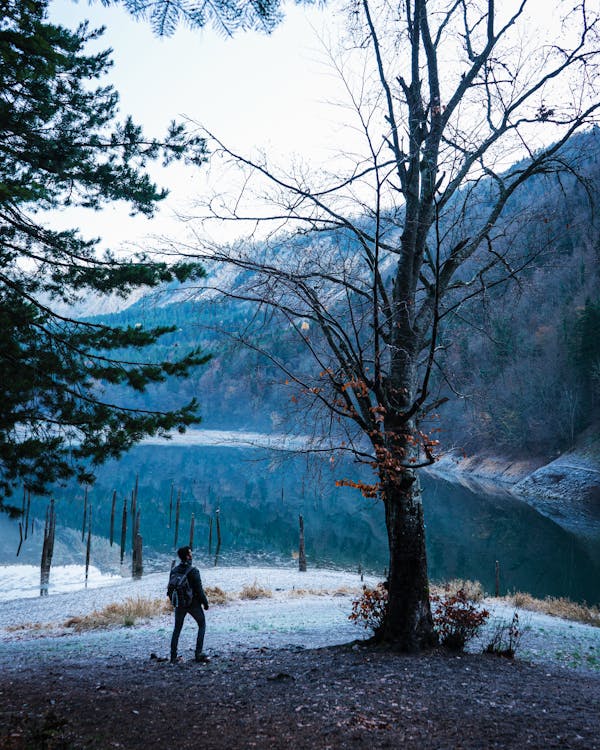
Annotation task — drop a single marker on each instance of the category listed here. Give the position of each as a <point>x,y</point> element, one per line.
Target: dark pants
<point>196,611</point>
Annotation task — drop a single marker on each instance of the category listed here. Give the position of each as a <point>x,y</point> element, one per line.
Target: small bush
<point>255,592</point>
<point>456,619</point>
<point>506,637</point>
<point>370,608</point>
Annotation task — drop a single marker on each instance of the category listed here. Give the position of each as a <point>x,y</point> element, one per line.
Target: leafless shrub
<point>505,638</point>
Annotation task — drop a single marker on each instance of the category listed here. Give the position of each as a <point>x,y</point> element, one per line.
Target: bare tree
<point>364,266</point>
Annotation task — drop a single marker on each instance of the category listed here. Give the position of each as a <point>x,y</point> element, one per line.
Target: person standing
<point>194,607</point>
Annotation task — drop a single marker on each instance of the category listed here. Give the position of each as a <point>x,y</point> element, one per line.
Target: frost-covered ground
<point>23,581</point>
<point>306,610</point>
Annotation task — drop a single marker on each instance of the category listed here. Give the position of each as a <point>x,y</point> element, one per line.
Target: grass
<point>473,589</point>
<point>128,612</point>
<point>341,591</point>
<point>28,626</point>
<point>216,595</point>
<point>558,607</point>
<point>125,613</point>
<point>254,591</point>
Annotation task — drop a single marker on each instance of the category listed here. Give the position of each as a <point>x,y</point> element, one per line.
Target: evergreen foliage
<point>227,16</point>
<point>60,145</point>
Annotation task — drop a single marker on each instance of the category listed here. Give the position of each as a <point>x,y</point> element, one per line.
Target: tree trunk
<point>137,567</point>
<point>408,625</point>
<point>301,547</point>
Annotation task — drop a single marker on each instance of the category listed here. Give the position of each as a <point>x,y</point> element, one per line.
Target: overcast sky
<point>252,90</point>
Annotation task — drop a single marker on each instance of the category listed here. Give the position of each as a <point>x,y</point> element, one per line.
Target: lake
<point>255,498</point>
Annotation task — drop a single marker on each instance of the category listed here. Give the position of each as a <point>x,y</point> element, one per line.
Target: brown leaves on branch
<point>370,491</point>
<point>457,619</point>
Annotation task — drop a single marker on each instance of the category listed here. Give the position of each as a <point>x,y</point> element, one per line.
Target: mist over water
<point>257,498</point>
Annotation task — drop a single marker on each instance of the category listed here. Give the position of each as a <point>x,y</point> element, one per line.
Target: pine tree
<point>61,145</point>
<point>226,16</point>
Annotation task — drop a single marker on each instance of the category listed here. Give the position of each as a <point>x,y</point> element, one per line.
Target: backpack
<point>179,589</point>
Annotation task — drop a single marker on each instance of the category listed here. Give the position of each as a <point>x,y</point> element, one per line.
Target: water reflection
<point>468,532</point>
<point>259,502</point>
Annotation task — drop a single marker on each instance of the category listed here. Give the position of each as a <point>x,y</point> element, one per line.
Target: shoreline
<point>305,610</point>
<point>565,489</point>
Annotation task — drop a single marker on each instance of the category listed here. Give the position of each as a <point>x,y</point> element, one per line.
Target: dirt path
<point>275,680</point>
<point>324,698</point>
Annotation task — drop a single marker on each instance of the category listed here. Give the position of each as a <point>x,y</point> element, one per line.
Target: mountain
<point>520,364</point>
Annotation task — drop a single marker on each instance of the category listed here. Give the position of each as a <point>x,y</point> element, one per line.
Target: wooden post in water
<point>21,522</point>
<point>88,549</point>
<point>27,514</point>
<point>85,508</point>
<point>192,524</point>
<point>137,565</point>
<point>301,549</point>
<point>171,505</point>
<point>47,548</point>
<point>44,560</point>
<point>497,589</point>
<point>136,527</point>
<point>123,529</point>
<point>133,512</point>
<point>177,511</point>
<point>20,538</point>
<point>52,533</point>
<point>112,517</point>
<point>23,517</point>
<point>210,522</point>
<point>218,519</point>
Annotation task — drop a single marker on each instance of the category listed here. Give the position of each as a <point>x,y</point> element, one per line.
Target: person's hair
<point>183,553</point>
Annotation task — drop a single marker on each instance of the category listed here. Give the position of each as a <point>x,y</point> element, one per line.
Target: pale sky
<point>252,90</point>
<point>272,92</point>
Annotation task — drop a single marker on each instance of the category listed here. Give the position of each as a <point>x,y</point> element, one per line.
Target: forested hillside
<point>519,363</point>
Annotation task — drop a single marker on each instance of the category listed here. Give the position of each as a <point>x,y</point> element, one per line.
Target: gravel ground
<point>277,677</point>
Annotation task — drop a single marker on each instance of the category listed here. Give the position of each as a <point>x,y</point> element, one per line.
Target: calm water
<point>257,502</point>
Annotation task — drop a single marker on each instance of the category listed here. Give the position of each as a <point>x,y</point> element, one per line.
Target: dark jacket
<point>195,582</point>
